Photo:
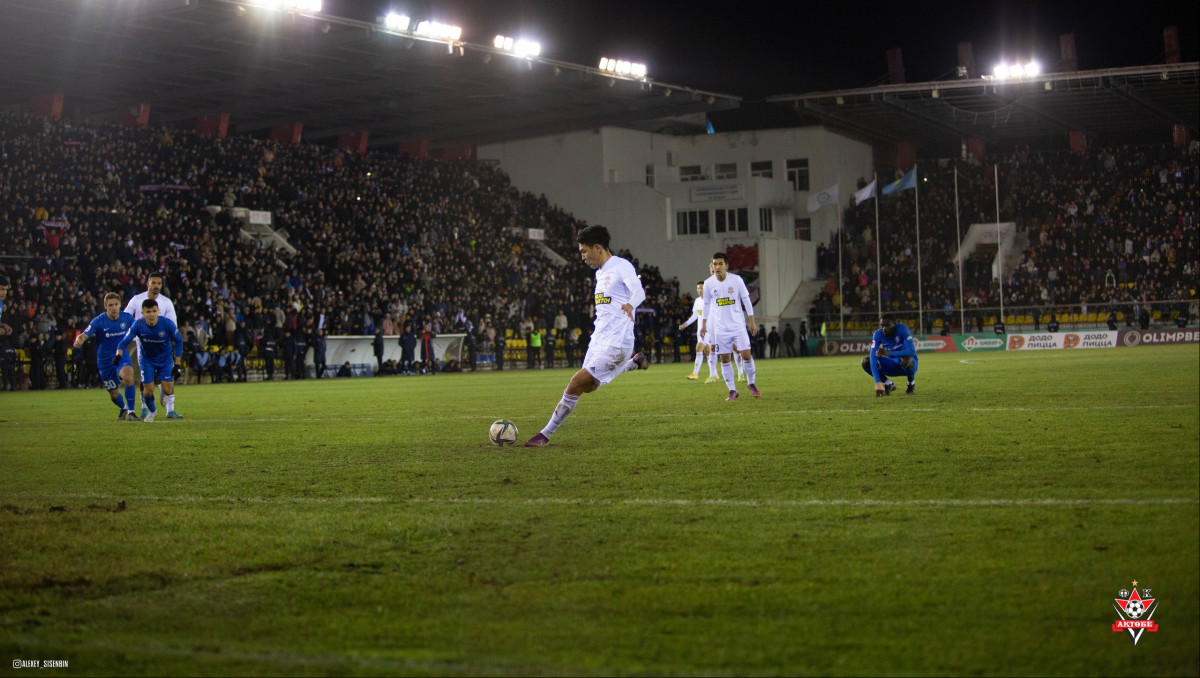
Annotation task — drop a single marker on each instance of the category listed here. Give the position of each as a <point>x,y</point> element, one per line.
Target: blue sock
<point>150,403</point>
<point>130,396</point>
<point>118,401</point>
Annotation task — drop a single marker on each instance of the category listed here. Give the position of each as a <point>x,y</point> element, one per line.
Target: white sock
<point>565,407</point>
<point>727,372</point>
<point>748,365</point>
<point>699,361</point>
<point>741,368</point>
<point>169,402</point>
<point>629,365</point>
<point>712,364</point>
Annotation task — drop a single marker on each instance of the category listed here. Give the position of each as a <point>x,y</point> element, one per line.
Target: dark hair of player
<point>594,235</point>
<point>149,303</point>
<point>155,274</point>
<point>3,281</point>
<point>721,256</point>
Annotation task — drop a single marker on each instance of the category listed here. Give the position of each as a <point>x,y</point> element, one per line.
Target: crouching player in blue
<point>108,328</point>
<point>159,356</point>
<point>893,354</point>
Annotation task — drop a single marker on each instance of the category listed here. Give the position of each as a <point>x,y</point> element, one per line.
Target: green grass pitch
<point>367,527</point>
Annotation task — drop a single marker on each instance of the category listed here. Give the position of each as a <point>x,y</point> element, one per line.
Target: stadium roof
<point>1117,106</point>
<point>265,68</point>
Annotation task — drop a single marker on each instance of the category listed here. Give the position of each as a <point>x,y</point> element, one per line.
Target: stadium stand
<point>381,239</point>
<point>1107,229</point>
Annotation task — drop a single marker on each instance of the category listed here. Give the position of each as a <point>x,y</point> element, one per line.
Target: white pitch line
<point>643,415</point>
<point>649,501</point>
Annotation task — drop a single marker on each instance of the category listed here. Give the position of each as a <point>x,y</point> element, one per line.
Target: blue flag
<point>904,183</point>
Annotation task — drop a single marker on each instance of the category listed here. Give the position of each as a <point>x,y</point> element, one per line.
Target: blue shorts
<point>890,367</point>
<point>153,371</point>
<point>110,375</point>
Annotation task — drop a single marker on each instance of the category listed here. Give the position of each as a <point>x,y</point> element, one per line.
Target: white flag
<point>865,194</point>
<point>828,196</point>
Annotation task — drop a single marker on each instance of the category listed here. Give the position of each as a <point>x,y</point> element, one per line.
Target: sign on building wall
<point>716,192</point>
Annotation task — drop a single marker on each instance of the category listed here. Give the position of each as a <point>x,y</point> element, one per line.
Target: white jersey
<point>723,302</point>
<point>697,312</point>
<point>617,284</point>
<point>166,309</point>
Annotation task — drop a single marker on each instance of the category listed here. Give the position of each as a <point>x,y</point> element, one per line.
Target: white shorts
<point>728,340</point>
<point>604,363</point>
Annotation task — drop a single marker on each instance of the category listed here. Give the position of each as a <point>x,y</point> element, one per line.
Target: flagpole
<point>878,266</point>
<point>999,251</point>
<point>920,300</point>
<point>962,311</point>
<point>841,294</point>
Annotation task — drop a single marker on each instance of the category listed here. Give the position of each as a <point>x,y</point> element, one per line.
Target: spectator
<point>377,343</point>
<point>789,340</point>
<point>408,347</point>
<point>319,345</point>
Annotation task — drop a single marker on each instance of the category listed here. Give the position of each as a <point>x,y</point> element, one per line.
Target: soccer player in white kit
<point>725,295</point>
<point>702,349</point>
<point>618,294</point>
<point>166,309</point>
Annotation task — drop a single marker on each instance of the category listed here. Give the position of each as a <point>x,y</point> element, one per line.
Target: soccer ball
<point>503,432</point>
<point>1134,609</point>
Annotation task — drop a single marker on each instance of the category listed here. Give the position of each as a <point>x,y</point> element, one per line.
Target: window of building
<point>797,173</point>
<point>725,170</point>
<point>763,168</point>
<point>650,176</point>
<point>690,173</point>
<point>733,220</point>
<point>691,222</point>
<point>766,220</point>
<point>802,230</point>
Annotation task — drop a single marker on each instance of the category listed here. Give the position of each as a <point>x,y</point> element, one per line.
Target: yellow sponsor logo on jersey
<point>722,301</point>
<point>601,299</point>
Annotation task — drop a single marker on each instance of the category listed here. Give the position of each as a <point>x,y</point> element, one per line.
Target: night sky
<point>755,50</point>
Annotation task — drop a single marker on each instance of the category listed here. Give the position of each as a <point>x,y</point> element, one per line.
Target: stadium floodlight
<point>518,47</point>
<point>438,31</point>
<point>312,6</point>
<point>622,67</point>
<point>396,22</point>
<point>1029,70</point>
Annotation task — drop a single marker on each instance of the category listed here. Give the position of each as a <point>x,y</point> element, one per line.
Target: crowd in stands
<point>383,241</point>
<point>1106,227</point>
<point>421,247</point>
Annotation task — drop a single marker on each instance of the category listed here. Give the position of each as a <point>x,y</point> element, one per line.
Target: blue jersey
<point>898,345</point>
<point>108,333</point>
<point>156,341</point>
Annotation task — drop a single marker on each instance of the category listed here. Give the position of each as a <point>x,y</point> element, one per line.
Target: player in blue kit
<point>108,328</point>
<point>893,354</point>
<point>158,357</point>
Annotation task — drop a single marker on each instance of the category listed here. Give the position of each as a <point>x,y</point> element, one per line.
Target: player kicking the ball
<point>724,324</point>
<point>618,294</point>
